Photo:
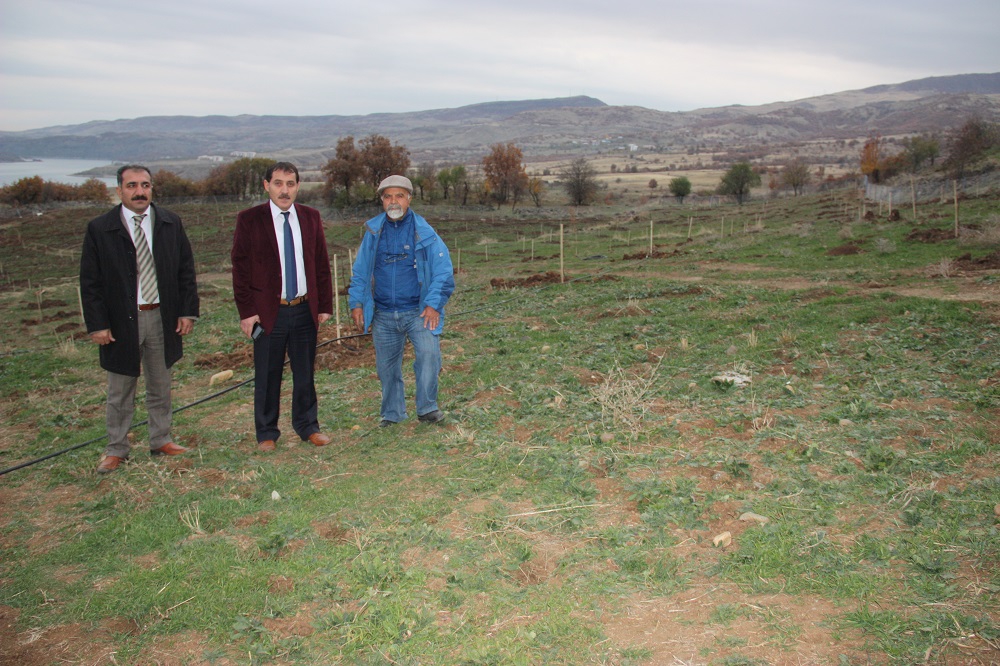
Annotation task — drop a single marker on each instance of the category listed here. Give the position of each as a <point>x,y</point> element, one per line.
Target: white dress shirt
<point>279,231</point>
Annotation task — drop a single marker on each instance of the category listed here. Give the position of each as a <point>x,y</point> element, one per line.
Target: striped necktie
<point>144,259</point>
<point>291,271</point>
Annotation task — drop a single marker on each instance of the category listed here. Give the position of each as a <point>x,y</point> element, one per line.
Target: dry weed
<point>945,268</point>
<point>625,398</point>
<point>191,517</point>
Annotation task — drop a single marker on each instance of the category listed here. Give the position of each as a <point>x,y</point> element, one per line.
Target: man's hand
<point>185,325</point>
<point>246,325</point>
<point>102,337</point>
<point>431,318</point>
<point>323,316</point>
<point>358,315</point>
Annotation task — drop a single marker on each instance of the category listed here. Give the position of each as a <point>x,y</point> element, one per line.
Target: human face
<point>282,188</point>
<point>395,201</point>
<point>136,190</point>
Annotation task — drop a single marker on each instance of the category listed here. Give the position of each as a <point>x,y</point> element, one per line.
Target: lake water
<point>55,170</point>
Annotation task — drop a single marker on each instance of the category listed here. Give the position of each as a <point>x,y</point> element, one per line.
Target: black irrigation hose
<point>248,381</point>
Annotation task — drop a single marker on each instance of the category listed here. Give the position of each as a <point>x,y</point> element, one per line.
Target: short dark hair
<point>133,167</point>
<point>281,166</point>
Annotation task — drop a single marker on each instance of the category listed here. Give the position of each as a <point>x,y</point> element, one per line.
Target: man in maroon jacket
<point>283,291</point>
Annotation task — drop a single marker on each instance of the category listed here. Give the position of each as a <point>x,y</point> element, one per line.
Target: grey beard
<point>395,213</point>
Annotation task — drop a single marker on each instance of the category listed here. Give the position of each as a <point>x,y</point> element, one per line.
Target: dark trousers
<point>295,333</point>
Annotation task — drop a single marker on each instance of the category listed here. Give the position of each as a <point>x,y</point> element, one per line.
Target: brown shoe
<point>319,439</point>
<point>168,449</point>
<point>266,445</point>
<point>109,464</point>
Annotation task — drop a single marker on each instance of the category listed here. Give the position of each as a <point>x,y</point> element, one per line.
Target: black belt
<point>295,301</point>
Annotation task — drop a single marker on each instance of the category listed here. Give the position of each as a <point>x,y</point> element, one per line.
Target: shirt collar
<point>277,213</point>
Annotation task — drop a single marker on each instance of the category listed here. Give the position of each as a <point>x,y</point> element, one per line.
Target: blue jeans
<point>390,330</point>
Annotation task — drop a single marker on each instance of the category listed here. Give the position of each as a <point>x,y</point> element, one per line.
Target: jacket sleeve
<point>360,274</point>
<point>187,282</point>
<point>442,275</point>
<point>324,279</point>
<point>242,261</point>
<point>95,308</point>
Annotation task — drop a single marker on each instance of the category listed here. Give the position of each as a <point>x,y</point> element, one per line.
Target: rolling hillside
<point>560,126</point>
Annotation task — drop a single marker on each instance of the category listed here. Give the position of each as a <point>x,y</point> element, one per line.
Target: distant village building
<point>239,153</point>
<point>211,158</point>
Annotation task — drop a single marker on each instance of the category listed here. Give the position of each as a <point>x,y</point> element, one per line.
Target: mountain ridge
<point>565,125</point>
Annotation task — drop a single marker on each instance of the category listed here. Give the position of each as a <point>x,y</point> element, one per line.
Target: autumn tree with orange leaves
<point>505,175</point>
<point>871,157</point>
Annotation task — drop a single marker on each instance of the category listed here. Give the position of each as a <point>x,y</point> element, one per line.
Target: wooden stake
<point>690,222</point>
<point>955,190</point>
<point>79,298</point>
<point>336,297</point>
<point>913,198</point>
<point>651,237</point>
<point>562,263</point>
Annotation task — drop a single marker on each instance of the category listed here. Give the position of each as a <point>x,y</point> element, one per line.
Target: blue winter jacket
<point>434,269</point>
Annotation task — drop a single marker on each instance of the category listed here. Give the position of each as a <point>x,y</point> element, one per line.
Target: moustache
<point>140,197</point>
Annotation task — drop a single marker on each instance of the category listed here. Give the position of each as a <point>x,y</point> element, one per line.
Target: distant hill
<point>559,126</point>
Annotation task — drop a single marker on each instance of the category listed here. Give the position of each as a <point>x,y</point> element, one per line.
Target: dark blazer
<point>109,286</point>
<point>257,264</point>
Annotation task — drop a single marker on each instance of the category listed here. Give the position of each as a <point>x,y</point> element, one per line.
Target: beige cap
<point>396,181</point>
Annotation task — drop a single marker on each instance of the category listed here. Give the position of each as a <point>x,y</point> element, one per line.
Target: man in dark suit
<point>283,291</point>
<point>139,296</point>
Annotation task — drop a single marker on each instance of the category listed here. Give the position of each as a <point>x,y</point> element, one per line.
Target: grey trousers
<point>122,388</point>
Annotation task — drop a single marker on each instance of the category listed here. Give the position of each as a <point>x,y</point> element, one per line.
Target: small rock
<point>722,540</point>
<point>607,437</point>
<point>732,350</point>
<point>275,496</point>
<point>220,377</point>
<point>996,511</point>
<point>751,517</point>
<point>545,348</point>
<point>730,378</point>
<point>846,422</point>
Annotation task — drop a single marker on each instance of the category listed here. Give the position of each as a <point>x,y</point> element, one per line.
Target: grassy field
<point>771,440</point>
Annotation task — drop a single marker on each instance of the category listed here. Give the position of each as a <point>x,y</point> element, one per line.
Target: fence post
<point>562,256</point>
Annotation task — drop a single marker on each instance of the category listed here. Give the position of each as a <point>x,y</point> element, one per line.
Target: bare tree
<point>344,170</point>
<point>796,175</point>
<point>580,181</point>
<point>380,159</point>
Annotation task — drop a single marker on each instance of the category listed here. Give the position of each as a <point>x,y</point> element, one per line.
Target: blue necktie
<point>291,274</point>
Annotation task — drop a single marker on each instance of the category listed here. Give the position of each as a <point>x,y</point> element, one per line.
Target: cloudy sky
<point>72,61</point>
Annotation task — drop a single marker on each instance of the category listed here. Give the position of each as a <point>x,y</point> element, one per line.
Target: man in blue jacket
<point>401,280</point>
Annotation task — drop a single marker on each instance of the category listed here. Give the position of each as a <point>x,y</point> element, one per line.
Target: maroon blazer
<point>257,264</point>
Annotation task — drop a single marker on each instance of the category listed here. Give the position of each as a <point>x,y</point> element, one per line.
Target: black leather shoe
<point>386,423</point>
